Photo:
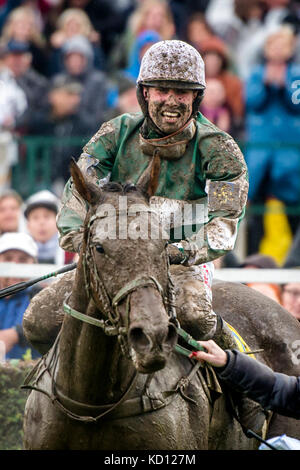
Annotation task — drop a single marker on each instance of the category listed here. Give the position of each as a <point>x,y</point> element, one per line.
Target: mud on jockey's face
<point>169,108</point>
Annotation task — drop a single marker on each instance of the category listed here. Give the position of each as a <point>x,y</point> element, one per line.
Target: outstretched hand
<point>214,355</point>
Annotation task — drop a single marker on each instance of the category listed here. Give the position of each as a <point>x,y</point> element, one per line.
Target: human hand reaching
<point>214,355</point>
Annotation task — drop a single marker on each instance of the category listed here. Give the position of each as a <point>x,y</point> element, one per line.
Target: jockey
<point>199,164</point>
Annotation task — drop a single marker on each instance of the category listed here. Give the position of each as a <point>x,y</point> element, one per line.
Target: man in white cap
<point>15,248</point>
<point>40,213</point>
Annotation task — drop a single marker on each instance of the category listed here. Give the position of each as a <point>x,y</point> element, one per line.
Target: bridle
<point>111,323</point>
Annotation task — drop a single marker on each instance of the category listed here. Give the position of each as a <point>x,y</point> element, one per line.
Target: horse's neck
<point>89,361</point>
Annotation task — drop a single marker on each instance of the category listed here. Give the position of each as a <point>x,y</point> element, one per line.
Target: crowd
<point>67,66</point>
<point>28,234</point>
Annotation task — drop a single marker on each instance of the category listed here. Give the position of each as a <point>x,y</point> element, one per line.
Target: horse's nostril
<point>138,338</point>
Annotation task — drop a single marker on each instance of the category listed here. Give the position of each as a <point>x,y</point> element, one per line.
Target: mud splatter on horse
<point>112,380</point>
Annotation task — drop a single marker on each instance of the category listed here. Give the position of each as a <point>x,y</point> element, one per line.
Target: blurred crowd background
<point>66,66</point>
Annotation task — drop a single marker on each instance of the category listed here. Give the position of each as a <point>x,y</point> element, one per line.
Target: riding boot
<point>250,414</point>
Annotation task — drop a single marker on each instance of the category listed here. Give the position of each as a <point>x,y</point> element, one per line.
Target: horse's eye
<point>100,248</point>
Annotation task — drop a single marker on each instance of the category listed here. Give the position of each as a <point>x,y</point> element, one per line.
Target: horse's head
<point>125,261</point>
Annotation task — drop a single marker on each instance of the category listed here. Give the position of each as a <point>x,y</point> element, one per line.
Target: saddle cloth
<point>241,344</point>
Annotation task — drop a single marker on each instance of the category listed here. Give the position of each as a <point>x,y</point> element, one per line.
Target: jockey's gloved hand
<point>188,253</point>
<point>176,254</point>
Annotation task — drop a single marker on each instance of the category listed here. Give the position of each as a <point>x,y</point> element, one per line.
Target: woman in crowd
<point>150,15</point>
<point>23,25</point>
<point>73,22</point>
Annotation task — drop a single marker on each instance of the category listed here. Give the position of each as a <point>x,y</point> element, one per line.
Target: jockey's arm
<point>227,189</point>
<point>96,162</point>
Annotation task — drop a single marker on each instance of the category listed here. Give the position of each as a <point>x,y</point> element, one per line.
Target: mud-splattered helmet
<point>171,64</point>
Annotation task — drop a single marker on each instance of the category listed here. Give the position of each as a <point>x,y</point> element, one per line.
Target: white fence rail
<point>277,276</point>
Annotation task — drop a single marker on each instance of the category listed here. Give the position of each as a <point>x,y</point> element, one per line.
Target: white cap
<point>42,199</point>
<point>18,241</point>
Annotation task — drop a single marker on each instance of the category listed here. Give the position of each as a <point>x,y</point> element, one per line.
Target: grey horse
<point>112,378</point>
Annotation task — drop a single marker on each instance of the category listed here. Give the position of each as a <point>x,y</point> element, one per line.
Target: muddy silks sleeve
<point>225,171</point>
<point>96,163</point>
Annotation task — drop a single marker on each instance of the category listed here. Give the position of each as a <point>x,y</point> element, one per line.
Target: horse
<point>113,378</point>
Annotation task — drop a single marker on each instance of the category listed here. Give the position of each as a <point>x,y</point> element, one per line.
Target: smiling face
<point>169,108</point>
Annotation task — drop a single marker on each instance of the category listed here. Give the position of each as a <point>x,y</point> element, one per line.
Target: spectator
<point>153,15</point>
<point>258,261</point>
<point>40,212</point>
<point>242,26</point>
<point>23,25</point>
<point>217,65</point>
<point>279,11</point>
<point>213,105</point>
<point>273,156</point>
<point>61,118</point>
<point>108,18</point>
<point>198,31</point>
<point>276,235</point>
<point>143,41</point>
<point>13,104</point>
<point>10,211</point>
<point>150,15</point>
<point>182,11</point>
<point>73,22</point>
<point>6,6</point>
<point>125,99</point>
<point>18,60</point>
<point>78,66</point>
<point>291,298</point>
<point>15,248</point>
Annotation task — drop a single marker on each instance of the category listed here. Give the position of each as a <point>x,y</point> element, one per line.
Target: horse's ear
<point>89,192</point>
<point>148,181</point>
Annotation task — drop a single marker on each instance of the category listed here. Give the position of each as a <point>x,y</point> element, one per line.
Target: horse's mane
<point>126,188</point>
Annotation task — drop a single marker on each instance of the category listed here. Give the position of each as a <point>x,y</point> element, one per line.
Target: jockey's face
<point>169,108</point>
